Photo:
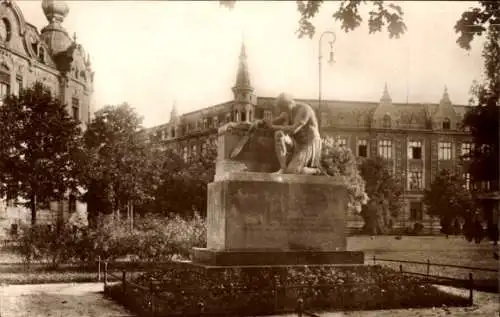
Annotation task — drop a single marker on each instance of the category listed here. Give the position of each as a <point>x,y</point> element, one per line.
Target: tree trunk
<point>33,209</point>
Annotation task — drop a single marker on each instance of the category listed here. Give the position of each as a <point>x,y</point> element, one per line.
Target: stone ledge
<point>279,178</point>
<point>203,256</point>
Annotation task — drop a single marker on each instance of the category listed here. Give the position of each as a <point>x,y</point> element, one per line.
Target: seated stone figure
<point>296,136</point>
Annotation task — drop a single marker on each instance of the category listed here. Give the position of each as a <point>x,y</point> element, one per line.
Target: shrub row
<point>151,239</point>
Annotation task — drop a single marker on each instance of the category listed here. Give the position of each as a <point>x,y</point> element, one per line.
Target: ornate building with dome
<point>50,56</point>
<point>417,140</point>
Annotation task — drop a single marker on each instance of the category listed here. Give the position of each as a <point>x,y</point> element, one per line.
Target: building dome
<point>54,10</point>
<point>54,34</point>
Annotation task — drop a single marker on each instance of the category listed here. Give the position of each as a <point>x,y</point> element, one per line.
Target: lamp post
<point>330,60</point>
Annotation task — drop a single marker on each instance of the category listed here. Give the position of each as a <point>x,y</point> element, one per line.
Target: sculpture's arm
<point>300,122</point>
<point>281,119</point>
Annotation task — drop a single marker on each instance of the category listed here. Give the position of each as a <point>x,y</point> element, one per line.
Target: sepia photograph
<point>249,158</point>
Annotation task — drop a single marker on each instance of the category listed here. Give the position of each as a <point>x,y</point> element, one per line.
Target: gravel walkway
<point>86,300</point>
<point>57,300</point>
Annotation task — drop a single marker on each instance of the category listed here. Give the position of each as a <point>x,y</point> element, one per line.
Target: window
<point>14,229</point>
<point>466,150</point>
<point>415,180</point>
<point>341,142</point>
<point>415,150</point>
<point>362,148</point>
<point>185,154</point>
<point>75,103</point>
<point>4,82</point>
<point>204,148</point>
<point>416,212</point>
<point>194,151</point>
<point>228,117</point>
<point>205,123</point>
<point>172,132</point>
<point>243,116</point>
<point>19,83</point>
<point>268,115</point>
<point>466,177</point>
<point>216,121</point>
<point>386,122</point>
<point>446,124</point>
<point>444,151</point>
<point>385,149</point>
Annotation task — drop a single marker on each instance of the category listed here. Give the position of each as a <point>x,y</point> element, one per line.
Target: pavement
<point>58,300</point>
<point>87,300</point>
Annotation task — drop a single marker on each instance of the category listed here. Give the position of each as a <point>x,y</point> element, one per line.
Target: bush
<point>48,245</point>
<point>152,239</point>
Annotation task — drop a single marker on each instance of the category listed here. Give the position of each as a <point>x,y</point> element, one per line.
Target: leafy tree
<point>382,14</point>
<point>119,168</point>
<point>385,194</point>
<point>448,199</point>
<point>339,161</point>
<point>181,179</point>
<point>472,22</point>
<point>39,147</point>
<point>475,21</point>
<point>483,122</point>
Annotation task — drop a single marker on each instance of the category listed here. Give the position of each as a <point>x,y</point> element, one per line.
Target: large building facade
<point>50,56</point>
<point>417,140</point>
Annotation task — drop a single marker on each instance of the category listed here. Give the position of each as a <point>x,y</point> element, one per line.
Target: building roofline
<point>362,102</point>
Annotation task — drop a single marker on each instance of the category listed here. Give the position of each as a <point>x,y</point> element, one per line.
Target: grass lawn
<point>439,250</point>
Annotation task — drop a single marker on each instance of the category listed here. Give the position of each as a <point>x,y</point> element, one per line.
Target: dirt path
<point>57,300</point>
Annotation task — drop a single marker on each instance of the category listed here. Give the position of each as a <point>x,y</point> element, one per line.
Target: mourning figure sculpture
<point>296,137</point>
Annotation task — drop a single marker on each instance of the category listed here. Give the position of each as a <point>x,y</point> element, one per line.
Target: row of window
<point>415,149</point>
<point>386,123</point>
<point>195,149</point>
<point>5,90</point>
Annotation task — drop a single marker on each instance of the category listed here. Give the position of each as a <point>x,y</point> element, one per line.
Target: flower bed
<point>253,291</point>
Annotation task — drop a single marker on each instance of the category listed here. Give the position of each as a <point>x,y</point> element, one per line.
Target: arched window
<point>4,81</point>
<point>446,124</point>
<point>386,122</point>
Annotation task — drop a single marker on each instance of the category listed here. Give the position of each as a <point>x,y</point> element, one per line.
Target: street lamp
<point>330,60</point>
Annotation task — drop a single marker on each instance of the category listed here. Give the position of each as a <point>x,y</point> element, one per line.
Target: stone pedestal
<point>268,219</point>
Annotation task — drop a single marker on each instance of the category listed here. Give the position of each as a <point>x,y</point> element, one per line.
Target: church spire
<point>385,95</point>
<point>243,75</point>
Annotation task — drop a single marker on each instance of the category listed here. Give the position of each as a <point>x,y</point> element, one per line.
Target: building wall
<point>28,56</point>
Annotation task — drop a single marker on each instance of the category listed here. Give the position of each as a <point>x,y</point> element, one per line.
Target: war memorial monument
<point>271,203</point>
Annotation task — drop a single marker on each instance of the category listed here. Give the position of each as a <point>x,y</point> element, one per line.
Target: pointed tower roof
<point>385,95</point>
<point>243,75</point>
<point>446,97</point>
<point>173,112</point>
<point>444,110</point>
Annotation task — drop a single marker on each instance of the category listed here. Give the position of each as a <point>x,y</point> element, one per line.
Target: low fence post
<point>374,261</point>
<point>300,307</point>
<point>471,289</point>
<point>124,281</point>
<point>152,298</point>
<point>401,268</point>
<point>99,268</point>
<point>428,267</point>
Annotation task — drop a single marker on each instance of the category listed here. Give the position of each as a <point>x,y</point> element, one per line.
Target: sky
<point>152,54</point>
